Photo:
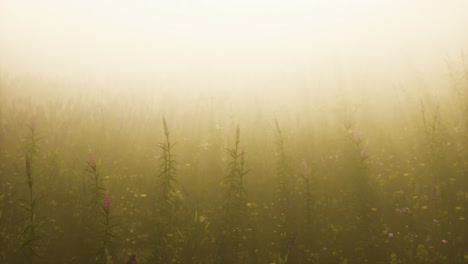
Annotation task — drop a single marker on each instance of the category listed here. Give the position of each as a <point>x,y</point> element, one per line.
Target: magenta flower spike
<point>92,162</point>
<point>348,122</point>
<point>306,174</point>
<point>28,166</point>
<point>107,201</point>
<point>357,137</point>
<point>363,153</point>
<point>33,123</point>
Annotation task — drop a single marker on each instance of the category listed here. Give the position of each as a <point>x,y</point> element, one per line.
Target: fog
<point>230,47</point>
<point>227,132</point>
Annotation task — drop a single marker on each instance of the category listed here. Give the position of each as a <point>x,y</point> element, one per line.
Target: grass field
<point>207,180</point>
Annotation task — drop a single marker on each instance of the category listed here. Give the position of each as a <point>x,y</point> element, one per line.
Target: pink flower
<point>306,170</point>
<point>363,153</point>
<point>28,166</point>
<point>107,201</point>
<point>357,137</point>
<point>348,122</point>
<point>32,123</point>
<point>132,260</point>
<point>390,235</point>
<point>444,241</point>
<point>92,162</point>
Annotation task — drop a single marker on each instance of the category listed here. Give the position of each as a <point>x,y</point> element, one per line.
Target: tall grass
<point>333,187</point>
<point>30,235</point>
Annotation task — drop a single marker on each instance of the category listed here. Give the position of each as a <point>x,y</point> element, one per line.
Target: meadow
<point>206,179</point>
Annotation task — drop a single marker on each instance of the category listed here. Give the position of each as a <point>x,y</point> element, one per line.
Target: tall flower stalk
<point>97,189</point>
<point>167,174</point>
<point>31,240</point>
<point>107,235</point>
<point>166,250</point>
<point>307,176</point>
<point>233,205</point>
<point>362,195</point>
<point>235,192</point>
<point>282,175</point>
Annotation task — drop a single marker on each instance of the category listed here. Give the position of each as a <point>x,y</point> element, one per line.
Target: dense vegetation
<point>117,180</point>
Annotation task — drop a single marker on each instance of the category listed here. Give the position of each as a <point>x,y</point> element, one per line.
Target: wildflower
<point>434,194</point>
<point>28,166</point>
<point>357,137</point>
<point>398,210</point>
<point>92,162</point>
<point>292,241</point>
<point>390,235</point>
<point>107,202</point>
<point>306,170</point>
<point>444,241</point>
<point>363,153</point>
<point>132,259</point>
<point>32,123</point>
<point>348,122</point>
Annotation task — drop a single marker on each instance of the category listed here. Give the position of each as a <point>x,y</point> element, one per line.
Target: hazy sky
<point>223,41</point>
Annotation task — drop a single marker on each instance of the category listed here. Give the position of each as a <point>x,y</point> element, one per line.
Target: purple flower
<point>28,166</point>
<point>434,194</point>
<point>363,153</point>
<point>107,201</point>
<point>348,122</point>
<point>306,170</point>
<point>132,259</point>
<point>292,241</point>
<point>357,137</point>
<point>92,162</point>
<point>32,123</point>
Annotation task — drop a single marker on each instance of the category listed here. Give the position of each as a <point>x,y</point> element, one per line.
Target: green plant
<point>167,174</point>
<point>234,204</point>
<point>167,248</point>
<point>31,240</point>
<point>106,240</point>
<point>282,179</point>
<point>97,188</point>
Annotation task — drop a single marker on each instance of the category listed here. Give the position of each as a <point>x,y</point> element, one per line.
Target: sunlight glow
<point>209,41</point>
